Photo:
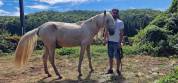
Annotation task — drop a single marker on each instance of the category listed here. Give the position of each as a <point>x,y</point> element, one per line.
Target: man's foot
<point>110,71</point>
<point>118,72</point>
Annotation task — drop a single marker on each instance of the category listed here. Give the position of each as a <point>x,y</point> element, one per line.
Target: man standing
<point>114,38</point>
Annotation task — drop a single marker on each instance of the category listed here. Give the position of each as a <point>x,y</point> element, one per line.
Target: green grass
<point>67,51</point>
<point>171,78</point>
<point>96,50</point>
<point>130,50</point>
<point>6,54</point>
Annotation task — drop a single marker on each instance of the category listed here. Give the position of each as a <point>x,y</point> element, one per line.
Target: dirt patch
<point>136,69</point>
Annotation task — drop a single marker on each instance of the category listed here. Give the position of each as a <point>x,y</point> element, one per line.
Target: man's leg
<point>111,56</point>
<point>110,63</point>
<point>110,70</point>
<point>117,56</point>
<point>118,61</point>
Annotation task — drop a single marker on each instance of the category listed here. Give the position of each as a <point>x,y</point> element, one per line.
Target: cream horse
<point>59,34</point>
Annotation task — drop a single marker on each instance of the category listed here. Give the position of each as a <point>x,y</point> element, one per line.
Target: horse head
<point>109,22</point>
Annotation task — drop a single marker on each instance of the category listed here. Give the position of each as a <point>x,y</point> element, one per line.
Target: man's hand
<point>105,42</point>
<point>121,44</point>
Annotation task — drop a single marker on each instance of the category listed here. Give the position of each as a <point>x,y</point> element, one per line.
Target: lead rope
<point>121,56</point>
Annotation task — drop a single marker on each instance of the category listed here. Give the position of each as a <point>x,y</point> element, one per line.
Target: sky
<point>11,7</point>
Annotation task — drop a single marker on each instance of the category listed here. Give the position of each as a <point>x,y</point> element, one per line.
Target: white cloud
<point>52,2</point>
<point>38,7</point>
<point>4,13</point>
<point>1,3</point>
<point>132,7</point>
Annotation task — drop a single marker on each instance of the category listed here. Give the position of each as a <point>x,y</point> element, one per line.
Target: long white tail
<point>25,47</point>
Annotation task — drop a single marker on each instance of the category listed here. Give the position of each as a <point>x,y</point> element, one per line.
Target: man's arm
<point>121,36</point>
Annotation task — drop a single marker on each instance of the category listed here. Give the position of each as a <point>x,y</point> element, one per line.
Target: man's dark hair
<point>117,12</point>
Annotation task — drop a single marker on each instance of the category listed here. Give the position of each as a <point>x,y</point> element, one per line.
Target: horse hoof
<point>80,75</point>
<point>60,77</point>
<point>49,75</point>
<point>92,70</point>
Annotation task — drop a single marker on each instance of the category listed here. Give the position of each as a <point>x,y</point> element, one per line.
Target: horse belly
<point>69,42</point>
<point>70,37</point>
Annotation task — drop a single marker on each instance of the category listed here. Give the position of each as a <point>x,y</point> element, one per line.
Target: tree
<point>174,7</point>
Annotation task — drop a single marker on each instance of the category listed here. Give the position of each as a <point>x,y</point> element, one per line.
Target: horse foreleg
<point>89,58</point>
<point>82,51</point>
<point>45,57</point>
<point>52,61</point>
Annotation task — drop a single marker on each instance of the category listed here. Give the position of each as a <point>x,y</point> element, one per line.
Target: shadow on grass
<point>116,79</point>
<point>112,79</point>
<point>80,80</point>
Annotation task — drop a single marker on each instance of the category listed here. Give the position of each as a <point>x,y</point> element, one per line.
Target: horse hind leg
<point>52,61</point>
<point>82,52</point>
<point>45,57</point>
<point>89,58</point>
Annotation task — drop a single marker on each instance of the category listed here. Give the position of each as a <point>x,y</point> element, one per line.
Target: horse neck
<point>93,25</point>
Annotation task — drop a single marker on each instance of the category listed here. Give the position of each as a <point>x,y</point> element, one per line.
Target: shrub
<point>8,43</point>
<point>173,42</point>
<point>160,37</point>
<point>155,35</point>
<point>172,23</point>
<point>151,33</point>
<point>6,46</point>
<point>160,20</point>
<point>153,40</point>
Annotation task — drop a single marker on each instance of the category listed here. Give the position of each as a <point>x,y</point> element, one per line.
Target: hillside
<point>134,19</point>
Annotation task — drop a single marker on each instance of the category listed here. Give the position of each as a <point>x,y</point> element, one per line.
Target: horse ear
<point>105,13</point>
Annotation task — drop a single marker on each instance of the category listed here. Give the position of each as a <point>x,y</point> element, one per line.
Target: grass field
<point>136,68</point>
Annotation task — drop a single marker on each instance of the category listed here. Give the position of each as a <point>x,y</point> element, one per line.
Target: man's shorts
<point>113,50</point>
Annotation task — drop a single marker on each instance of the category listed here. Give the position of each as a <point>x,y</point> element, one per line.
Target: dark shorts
<point>113,50</point>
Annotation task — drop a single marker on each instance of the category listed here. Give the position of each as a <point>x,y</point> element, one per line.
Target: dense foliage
<point>137,19</point>
<point>174,7</point>
<point>8,43</point>
<point>160,34</point>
